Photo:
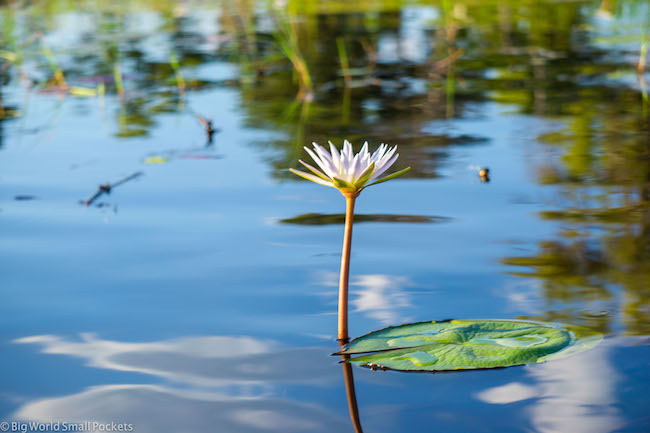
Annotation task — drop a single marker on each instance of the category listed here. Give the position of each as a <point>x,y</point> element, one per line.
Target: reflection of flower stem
<point>345,266</point>
<point>351,394</point>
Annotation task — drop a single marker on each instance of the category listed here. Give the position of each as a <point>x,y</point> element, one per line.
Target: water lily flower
<point>348,172</point>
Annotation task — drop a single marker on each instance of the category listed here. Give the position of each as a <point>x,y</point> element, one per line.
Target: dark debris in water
<point>107,188</point>
<point>317,219</point>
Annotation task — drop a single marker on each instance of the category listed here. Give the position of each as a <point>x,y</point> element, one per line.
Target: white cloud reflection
<point>377,296</point>
<point>159,409</point>
<point>508,393</point>
<point>380,297</point>
<point>216,383</point>
<point>576,394</point>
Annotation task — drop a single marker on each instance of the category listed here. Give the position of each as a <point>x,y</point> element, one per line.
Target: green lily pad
<point>468,344</point>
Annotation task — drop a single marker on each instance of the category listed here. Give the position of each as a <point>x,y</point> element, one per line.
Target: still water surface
<point>201,295</point>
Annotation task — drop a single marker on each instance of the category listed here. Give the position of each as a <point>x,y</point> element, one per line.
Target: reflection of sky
<point>74,28</point>
<point>211,384</point>
<point>576,394</point>
<point>410,44</point>
<point>622,30</point>
<point>201,361</point>
<point>381,298</point>
<point>160,409</point>
<point>239,384</point>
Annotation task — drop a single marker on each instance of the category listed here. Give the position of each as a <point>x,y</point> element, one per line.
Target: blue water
<point>183,304</point>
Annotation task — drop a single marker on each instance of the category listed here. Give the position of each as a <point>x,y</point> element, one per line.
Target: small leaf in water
<point>155,160</point>
<point>469,344</point>
<point>82,92</point>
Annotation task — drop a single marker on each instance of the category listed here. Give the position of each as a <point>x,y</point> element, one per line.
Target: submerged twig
<point>106,188</point>
<point>206,123</point>
<point>207,126</point>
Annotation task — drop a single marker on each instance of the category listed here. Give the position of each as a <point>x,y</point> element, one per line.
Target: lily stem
<point>345,267</point>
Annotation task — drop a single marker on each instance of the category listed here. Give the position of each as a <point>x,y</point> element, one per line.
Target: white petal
<point>320,163</point>
<point>335,156</point>
<point>357,169</point>
<point>349,175</point>
<point>312,178</point>
<point>347,148</point>
<point>385,167</point>
<point>386,157</point>
<point>363,173</point>
<point>326,158</point>
<point>376,156</point>
<point>345,162</point>
<point>364,150</point>
<point>313,169</point>
<point>364,156</point>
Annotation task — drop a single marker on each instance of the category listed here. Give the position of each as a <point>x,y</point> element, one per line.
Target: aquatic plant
<point>468,344</point>
<point>433,345</point>
<point>350,173</point>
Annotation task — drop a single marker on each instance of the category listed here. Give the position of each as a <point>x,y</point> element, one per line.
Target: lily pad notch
<point>468,345</point>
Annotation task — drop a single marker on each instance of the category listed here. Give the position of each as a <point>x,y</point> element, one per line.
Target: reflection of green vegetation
<point>287,38</point>
<point>598,321</point>
<point>468,38</point>
<point>601,170</point>
<point>570,270</point>
<point>576,272</point>
<point>402,73</point>
<point>317,219</point>
<point>628,215</point>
